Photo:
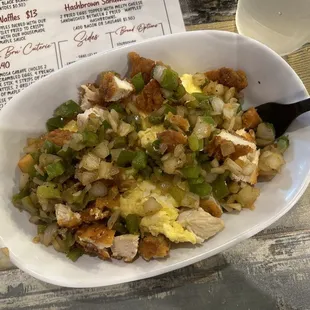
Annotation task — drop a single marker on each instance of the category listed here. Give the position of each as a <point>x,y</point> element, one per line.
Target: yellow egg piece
<point>165,222</point>
<point>149,135</point>
<point>187,82</point>
<point>71,126</point>
<point>132,201</point>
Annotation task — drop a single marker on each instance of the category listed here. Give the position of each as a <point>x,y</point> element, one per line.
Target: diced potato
<point>247,196</point>
<point>26,163</point>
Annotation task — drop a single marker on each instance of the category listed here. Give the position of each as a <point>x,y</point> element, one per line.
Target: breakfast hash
<point>146,161</point>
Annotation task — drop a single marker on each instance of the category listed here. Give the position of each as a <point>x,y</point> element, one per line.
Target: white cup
<point>283,25</point>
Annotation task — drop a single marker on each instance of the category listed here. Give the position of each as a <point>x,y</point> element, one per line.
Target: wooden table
<point>268,271</point>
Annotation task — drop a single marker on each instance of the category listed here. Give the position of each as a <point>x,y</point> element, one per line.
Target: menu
<point>38,37</point>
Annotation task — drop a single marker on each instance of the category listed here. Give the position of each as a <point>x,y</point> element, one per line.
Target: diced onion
<point>115,153</point>
<point>107,170</point>
<point>102,150</point>
<point>49,234</point>
<point>151,206</point>
<point>215,163</point>
<point>24,177</point>
<point>233,167</point>
<point>217,104</point>
<point>113,219</point>
<point>98,189</point>
<point>218,170</point>
<point>90,162</point>
<point>158,73</point>
<point>234,206</point>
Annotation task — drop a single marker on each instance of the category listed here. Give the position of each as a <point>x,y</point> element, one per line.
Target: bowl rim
<point>190,260</point>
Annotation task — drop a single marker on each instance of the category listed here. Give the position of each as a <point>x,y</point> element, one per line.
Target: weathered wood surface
<point>268,271</point>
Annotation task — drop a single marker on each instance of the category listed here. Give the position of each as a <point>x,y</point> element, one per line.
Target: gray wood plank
<point>197,12</point>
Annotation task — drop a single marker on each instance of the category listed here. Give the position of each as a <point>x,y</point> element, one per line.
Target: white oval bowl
<point>188,52</point>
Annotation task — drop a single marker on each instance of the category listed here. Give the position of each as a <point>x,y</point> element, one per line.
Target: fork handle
<point>302,106</point>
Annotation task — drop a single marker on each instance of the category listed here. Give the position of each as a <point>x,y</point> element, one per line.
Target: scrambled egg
<point>187,81</point>
<point>150,134</point>
<point>162,222</point>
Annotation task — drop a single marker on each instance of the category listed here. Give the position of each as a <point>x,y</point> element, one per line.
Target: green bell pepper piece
<point>125,158</point>
<point>28,205</point>
<point>75,253</point>
<point>120,228</point>
<point>117,107</point>
<point>177,193</point>
<point>194,143</point>
<point>41,229</point>
<point>200,97</point>
<point>133,223</point>
<point>140,160</point>
<point>55,123</point>
<point>283,144</point>
<point>191,172</point>
<point>202,190</point>
<point>156,119</point>
<point>48,191</point>
<point>138,82</point>
<point>50,147</point>
<point>120,142</point>
<point>90,138</point>
<point>220,188</point>
<point>169,108</point>
<point>169,80</point>
<point>208,120</point>
<point>68,109</point>
<point>180,92</point>
<point>199,180</point>
<point>54,170</point>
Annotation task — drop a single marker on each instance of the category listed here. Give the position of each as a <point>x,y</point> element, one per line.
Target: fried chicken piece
<point>90,96</point>
<point>172,138</point>
<point>125,247</point>
<point>250,118</point>
<point>96,239</point>
<point>66,217</point>
<point>228,77</point>
<point>201,223</point>
<point>151,98</point>
<point>214,149</point>
<point>93,214</point>
<point>211,206</point>
<point>107,202</point>
<point>57,136</point>
<point>154,247</point>
<point>179,121</point>
<point>113,88</point>
<point>250,136</point>
<point>141,64</point>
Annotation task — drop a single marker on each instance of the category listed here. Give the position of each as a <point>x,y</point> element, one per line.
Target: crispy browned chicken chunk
<point>214,149</point>
<point>251,119</point>
<point>113,88</point>
<point>228,77</point>
<point>178,121</point>
<point>154,247</point>
<point>141,64</point>
<point>211,206</point>
<point>66,217</point>
<point>96,239</point>
<point>57,136</point>
<point>172,138</point>
<point>107,202</point>
<point>93,214</point>
<point>151,98</point>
